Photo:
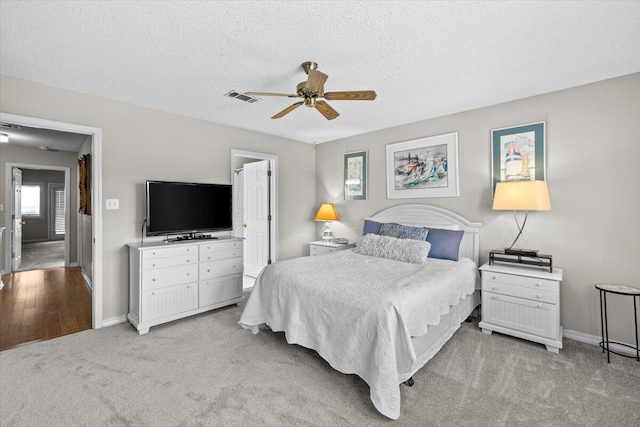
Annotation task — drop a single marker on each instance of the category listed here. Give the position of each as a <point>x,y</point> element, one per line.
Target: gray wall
<point>37,229</point>
<point>140,144</point>
<point>593,154</point>
<point>34,156</point>
<point>85,251</point>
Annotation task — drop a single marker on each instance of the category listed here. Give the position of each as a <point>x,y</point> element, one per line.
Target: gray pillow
<point>405,250</point>
<point>400,231</point>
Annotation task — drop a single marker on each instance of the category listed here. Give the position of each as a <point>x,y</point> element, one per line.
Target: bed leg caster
<point>409,382</point>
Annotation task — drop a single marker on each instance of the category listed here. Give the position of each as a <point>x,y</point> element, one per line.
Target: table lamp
<point>327,212</point>
<point>521,196</point>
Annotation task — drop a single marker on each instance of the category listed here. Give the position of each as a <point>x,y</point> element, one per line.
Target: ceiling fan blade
<point>272,94</point>
<point>315,82</point>
<point>355,95</point>
<point>287,110</point>
<point>326,110</point>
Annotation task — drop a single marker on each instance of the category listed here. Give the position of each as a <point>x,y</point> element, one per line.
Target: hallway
<point>43,304</point>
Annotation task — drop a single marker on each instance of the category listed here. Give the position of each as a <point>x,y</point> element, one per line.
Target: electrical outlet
<point>113,204</point>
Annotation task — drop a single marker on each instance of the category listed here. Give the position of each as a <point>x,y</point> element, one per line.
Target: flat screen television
<point>187,208</point>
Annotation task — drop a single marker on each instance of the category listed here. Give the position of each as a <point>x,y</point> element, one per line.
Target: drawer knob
<point>494,297</point>
<point>188,249</point>
<point>494,277</point>
<point>208,257</point>
<point>538,284</point>
<point>540,306</point>
<point>188,260</point>
<point>153,293</point>
<point>153,265</point>
<point>208,271</point>
<point>539,296</point>
<point>495,288</point>
<point>153,253</point>
<point>188,274</point>
<point>154,279</point>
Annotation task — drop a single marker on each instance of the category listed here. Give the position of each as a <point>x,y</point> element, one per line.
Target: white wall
<point>140,144</point>
<point>593,159</point>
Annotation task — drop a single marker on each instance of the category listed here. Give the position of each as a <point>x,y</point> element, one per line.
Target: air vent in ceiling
<point>242,97</point>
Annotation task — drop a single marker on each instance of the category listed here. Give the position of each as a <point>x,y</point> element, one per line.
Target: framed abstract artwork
<point>355,175</point>
<point>425,167</point>
<point>518,154</point>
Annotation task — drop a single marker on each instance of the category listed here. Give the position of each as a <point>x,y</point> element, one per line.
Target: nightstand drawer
<point>319,250</point>
<point>520,292</point>
<point>518,314</point>
<point>527,282</point>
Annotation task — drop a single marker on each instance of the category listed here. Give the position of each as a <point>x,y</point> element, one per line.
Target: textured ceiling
<point>424,59</point>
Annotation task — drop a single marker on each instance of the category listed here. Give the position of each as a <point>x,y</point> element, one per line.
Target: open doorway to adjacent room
<point>255,214</point>
<point>49,289</point>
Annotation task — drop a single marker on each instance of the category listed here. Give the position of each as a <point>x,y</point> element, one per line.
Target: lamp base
<point>521,252</point>
<point>327,233</point>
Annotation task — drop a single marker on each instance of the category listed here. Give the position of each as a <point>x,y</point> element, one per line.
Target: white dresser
<point>523,302</point>
<point>169,281</point>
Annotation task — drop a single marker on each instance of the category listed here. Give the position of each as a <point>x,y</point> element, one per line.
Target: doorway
<point>254,176</point>
<point>33,243</point>
<point>96,201</point>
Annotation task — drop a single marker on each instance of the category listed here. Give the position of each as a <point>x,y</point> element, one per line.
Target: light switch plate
<point>113,204</point>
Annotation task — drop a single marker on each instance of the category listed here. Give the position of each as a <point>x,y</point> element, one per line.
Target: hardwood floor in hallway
<point>43,304</point>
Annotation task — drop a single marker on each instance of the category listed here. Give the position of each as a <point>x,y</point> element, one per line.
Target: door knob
<point>244,225</point>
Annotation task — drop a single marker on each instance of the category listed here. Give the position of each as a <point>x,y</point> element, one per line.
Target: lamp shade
<point>327,212</point>
<point>522,196</point>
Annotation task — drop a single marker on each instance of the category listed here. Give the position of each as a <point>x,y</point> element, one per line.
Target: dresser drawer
<point>169,276</point>
<point>212,256</point>
<point>170,251</point>
<point>214,291</point>
<point>169,301</point>
<point>319,250</point>
<point>534,294</point>
<point>169,262</point>
<point>234,245</point>
<point>224,267</point>
<point>528,282</point>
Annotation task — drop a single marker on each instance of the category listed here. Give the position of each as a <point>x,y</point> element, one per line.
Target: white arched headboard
<point>432,216</point>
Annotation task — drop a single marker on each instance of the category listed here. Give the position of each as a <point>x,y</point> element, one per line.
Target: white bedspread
<point>358,312</point>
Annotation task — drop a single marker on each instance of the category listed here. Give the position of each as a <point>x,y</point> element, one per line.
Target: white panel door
<point>256,221</point>
<point>16,224</point>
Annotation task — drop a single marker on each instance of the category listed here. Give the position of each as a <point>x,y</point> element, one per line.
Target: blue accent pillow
<point>445,244</point>
<point>371,227</point>
<point>400,231</point>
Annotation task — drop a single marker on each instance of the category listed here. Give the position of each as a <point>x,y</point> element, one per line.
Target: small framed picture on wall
<point>355,175</point>
<point>518,154</point>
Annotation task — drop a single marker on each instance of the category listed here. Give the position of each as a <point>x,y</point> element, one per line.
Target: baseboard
<point>34,240</point>
<point>87,281</point>
<point>74,264</point>
<point>595,340</point>
<point>114,321</point>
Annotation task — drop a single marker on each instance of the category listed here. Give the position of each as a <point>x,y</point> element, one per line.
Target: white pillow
<point>405,250</point>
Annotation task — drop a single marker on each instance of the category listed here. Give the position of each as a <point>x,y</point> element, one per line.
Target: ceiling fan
<point>313,90</point>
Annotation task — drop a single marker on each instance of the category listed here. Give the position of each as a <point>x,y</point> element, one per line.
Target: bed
<point>378,318</point>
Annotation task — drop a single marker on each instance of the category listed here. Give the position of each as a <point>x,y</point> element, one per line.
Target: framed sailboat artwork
<point>425,167</point>
<point>518,154</point>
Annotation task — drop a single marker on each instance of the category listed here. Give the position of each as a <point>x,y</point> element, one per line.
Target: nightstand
<point>320,247</point>
<point>523,302</point>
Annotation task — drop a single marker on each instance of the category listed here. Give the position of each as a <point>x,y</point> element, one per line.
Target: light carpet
<point>206,370</point>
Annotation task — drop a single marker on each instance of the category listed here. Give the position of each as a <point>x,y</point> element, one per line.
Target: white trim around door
<point>96,195</point>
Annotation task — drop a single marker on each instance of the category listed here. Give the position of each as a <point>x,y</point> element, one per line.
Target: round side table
<point>605,288</point>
